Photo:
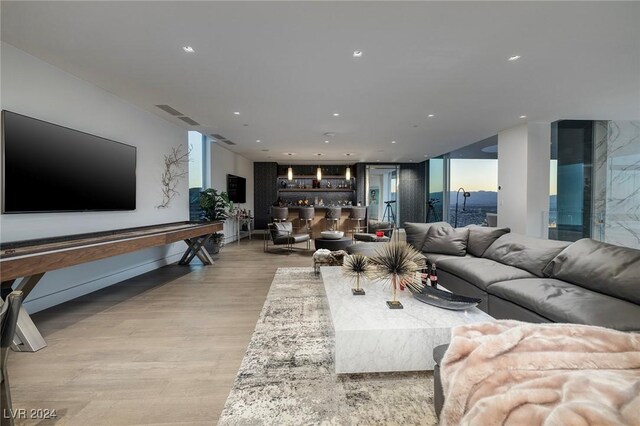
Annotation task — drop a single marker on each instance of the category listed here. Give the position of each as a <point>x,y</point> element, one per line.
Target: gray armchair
<point>281,234</point>
<point>9,311</point>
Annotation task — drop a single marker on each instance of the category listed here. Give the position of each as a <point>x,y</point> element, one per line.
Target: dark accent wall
<point>361,171</point>
<point>265,191</point>
<point>412,194</point>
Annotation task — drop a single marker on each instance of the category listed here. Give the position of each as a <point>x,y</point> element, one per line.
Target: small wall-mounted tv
<point>237,189</point>
<point>50,168</point>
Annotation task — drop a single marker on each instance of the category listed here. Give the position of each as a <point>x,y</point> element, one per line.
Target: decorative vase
<point>395,303</point>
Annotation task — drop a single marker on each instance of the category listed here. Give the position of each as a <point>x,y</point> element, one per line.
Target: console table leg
<point>196,248</point>
<point>27,337</point>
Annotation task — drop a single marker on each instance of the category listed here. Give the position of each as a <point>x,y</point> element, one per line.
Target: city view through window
<point>479,179</point>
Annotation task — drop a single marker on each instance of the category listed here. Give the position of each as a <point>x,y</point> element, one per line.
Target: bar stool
<point>306,215</point>
<point>280,214</point>
<point>332,218</point>
<point>358,214</point>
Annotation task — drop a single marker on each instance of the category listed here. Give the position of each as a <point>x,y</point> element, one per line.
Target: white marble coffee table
<point>370,337</point>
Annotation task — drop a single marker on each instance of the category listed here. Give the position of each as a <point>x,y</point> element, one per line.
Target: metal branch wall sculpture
<point>174,171</point>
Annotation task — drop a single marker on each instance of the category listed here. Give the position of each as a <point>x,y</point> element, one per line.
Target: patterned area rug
<point>287,375</point>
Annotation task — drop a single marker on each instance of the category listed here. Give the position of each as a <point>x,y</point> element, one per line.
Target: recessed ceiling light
<point>357,53</point>
<point>514,57</point>
<point>188,49</point>
<point>377,161</point>
<point>426,156</point>
<point>393,141</point>
<point>245,125</point>
<point>290,154</point>
<point>237,113</point>
<point>258,141</point>
<point>335,114</point>
<point>523,116</point>
<point>348,154</point>
<point>318,154</point>
<point>411,161</point>
<point>431,115</point>
<point>326,141</point>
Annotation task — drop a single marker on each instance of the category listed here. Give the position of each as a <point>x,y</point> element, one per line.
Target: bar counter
<point>319,224</point>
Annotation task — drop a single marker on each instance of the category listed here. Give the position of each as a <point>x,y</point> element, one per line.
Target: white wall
<point>523,178</point>
<point>512,179</point>
<point>224,162</point>
<point>37,89</point>
<point>538,170</point>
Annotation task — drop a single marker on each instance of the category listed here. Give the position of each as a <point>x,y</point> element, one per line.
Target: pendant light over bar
<point>348,173</point>
<point>290,173</point>
<point>319,173</point>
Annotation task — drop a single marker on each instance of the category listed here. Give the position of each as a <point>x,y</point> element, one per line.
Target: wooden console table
<point>30,260</point>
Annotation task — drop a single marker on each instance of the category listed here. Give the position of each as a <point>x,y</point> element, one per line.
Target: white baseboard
<point>81,289</point>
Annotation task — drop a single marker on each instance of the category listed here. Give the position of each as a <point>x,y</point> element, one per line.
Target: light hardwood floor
<point>161,348</point>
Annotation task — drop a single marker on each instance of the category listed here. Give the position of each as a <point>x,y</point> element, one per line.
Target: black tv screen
<point>50,168</point>
<point>237,189</point>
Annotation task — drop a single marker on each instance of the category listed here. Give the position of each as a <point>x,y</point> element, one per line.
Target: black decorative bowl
<point>445,299</point>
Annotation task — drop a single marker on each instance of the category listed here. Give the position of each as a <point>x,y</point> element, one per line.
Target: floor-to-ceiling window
<point>197,163</point>
<point>436,190</point>
<point>570,180</point>
<point>473,184</point>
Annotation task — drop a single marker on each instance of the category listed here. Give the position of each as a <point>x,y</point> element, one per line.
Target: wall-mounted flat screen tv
<point>237,189</point>
<point>50,168</point>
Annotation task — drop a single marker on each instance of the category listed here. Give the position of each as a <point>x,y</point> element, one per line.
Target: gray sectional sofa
<point>533,279</point>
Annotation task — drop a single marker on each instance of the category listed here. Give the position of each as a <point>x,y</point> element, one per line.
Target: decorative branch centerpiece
<point>398,263</point>
<point>356,266</point>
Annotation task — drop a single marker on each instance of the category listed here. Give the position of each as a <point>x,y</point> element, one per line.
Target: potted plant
<point>216,205</point>
<point>215,243</point>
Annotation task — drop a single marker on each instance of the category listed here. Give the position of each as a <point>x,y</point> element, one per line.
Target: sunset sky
<point>482,175</point>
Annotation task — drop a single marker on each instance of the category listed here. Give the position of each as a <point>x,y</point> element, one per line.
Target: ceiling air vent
<point>168,109</point>
<point>189,121</point>
<point>228,142</point>
<point>217,137</point>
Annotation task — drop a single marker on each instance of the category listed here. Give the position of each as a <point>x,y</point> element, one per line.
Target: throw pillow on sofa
<point>481,237</point>
<point>528,253</point>
<point>417,232</point>
<point>445,240</point>
<point>601,267</point>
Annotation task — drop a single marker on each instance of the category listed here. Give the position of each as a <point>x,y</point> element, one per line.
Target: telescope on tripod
<point>388,212</point>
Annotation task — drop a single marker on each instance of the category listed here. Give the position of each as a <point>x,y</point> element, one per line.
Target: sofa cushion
<point>437,257</point>
<point>528,253</point>
<point>481,237</point>
<point>480,272</point>
<point>446,241</point>
<point>602,267</point>
<point>561,301</point>
<point>417,232</point>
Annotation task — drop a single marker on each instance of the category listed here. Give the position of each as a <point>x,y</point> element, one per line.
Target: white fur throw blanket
<point>515,373</point>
